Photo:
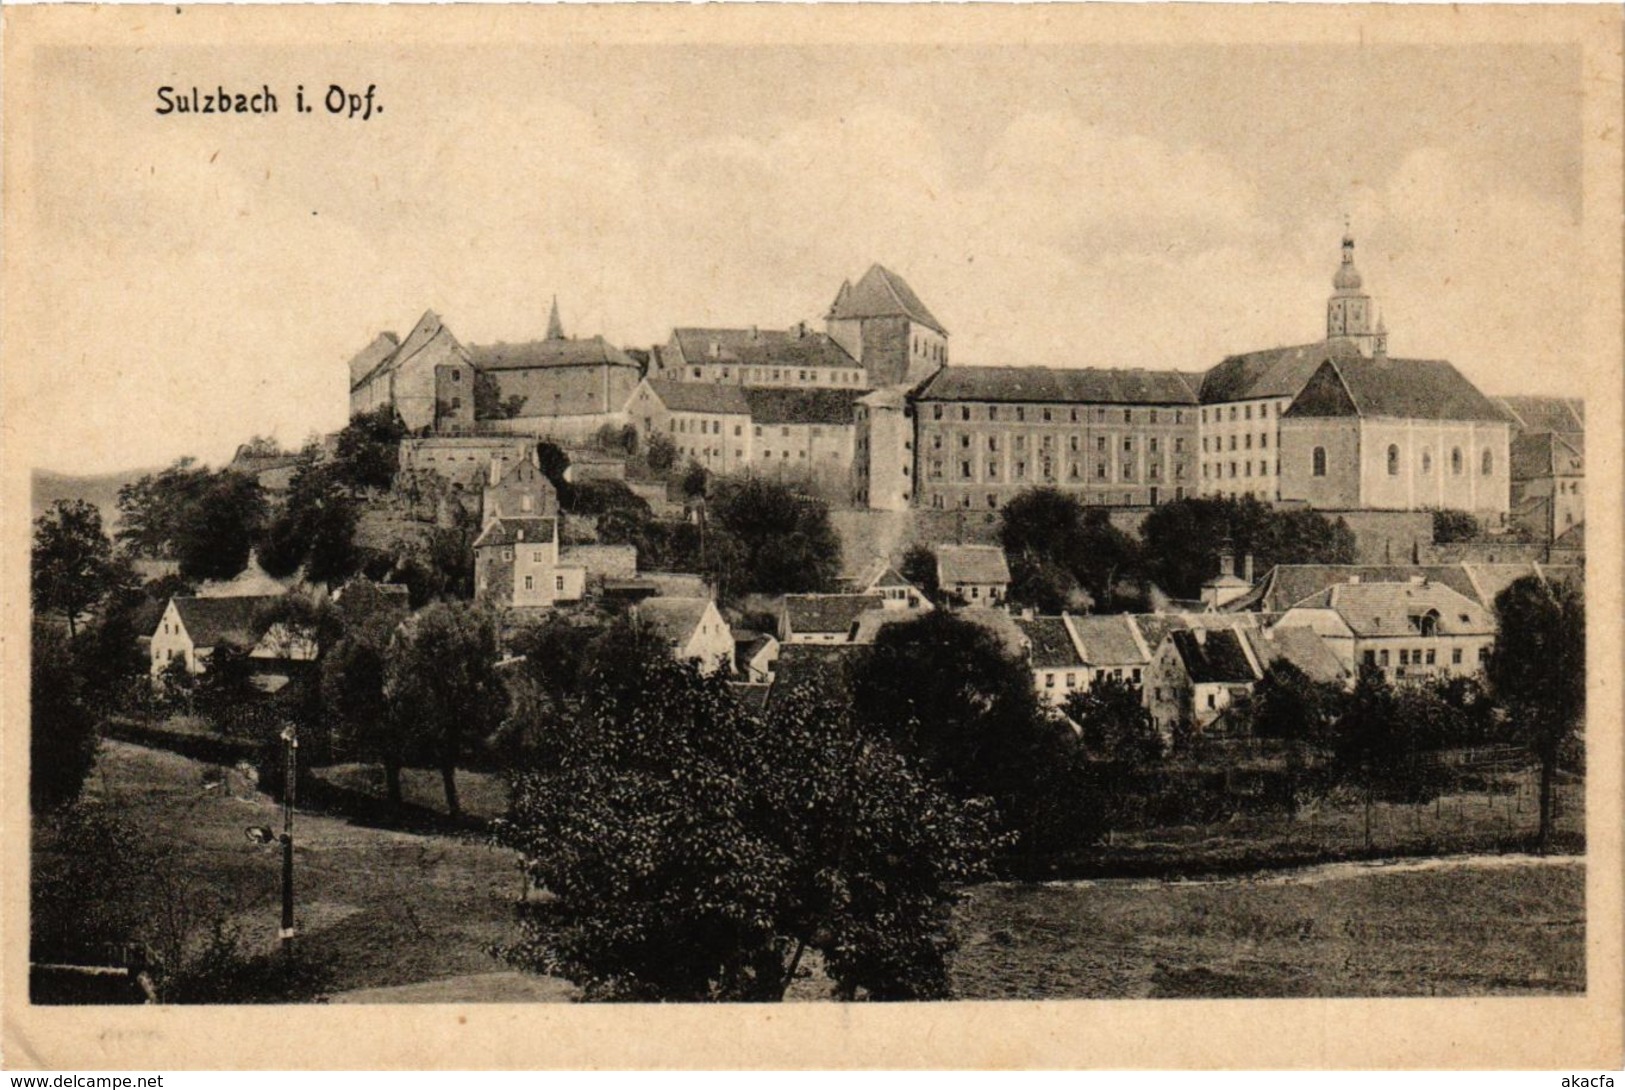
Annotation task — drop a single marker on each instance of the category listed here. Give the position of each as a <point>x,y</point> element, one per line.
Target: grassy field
<point>376,907</point>
<point>1484,929</point>
<point>397,916</point>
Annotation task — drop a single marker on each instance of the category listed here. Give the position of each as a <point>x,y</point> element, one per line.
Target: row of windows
<point>1100,675</point>
<point>558,583</point>
<point>1247,442</point>
<point>1246,469</point>
<point>1486,464</point>
<point>782,374</point>
<point>1237,412</point>
<point>1420,656</point>
<point>1074,443</point>
<point>1075,415</point>
<point>680,426</point>
<point>1102,471</point>
<point>935,351</point>
<point>1154,496</point>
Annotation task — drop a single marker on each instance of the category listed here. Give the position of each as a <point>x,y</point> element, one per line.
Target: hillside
<point>100,489</point>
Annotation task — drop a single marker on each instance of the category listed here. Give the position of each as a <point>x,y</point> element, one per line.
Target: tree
<point>695,479</point>
<point>1289,706</point>
<point>919,566</point>
<point>152,508</point>
<point>554,463</point>
<point>660,452</point>
<point>1381,745</point>
<point>218,528</point>
<point>1450,526</point>
<point>1114,723</point>
<point>945,691</point>
<point>1537,671</point>
<point>441,685</point>
<point>368,449</point>
<point>697,852</point>
<point>352,688</point>
<point>316,526</point>
<point>489,404</point>
<point>1180,539</point>
<point>62,731</point>
<point>1058,548</point>
<point>74,568</point>
<point>786,541</point>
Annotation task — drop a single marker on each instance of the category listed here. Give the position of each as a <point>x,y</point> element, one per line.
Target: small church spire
<point>555,328</point>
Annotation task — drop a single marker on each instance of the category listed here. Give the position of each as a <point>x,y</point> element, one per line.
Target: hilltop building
<point>983,434</point>
<point>882,324</point>
<point>428,379</point>
<point>1548,465</point>
<point>794,357</point>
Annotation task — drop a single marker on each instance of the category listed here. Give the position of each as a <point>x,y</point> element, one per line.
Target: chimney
<point>755,334</point>
<point>1227,561</point>
<point>801,330</point>
<point>1247,568</point>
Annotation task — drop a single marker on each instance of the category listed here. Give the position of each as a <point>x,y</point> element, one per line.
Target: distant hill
<point>100,489</point>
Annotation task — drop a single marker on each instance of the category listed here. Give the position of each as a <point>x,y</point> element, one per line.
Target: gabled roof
<point>1285,585</point>
<point>780,405</point>
<point>1489,580</point>
<point>367,361</point>
<point>1274,372</point>
<point>826,613</point>
<point>1108,639</point>
<point>429,331</point>
<point>1537,414</point>
<point>977,564</point>
<point>510,531</point>
<point>792,348</point>
<point>1214,656</point>
<point>213,621</point>
<point>1299,645</point>
<point>1391,609</point>
<point>1049,642</point>
<point>700,397</point>
<point>531,355</point>
<point>1392,388</point>
<point>1059,384</point>
<point>1572,538</point>
<point>673,618</point>
<point>881,293</point>
<point>1535,455</point>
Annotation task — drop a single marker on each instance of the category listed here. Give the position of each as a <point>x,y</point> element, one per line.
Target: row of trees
<point>1068,556</point>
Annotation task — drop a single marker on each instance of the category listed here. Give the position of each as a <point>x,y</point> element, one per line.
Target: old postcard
<point>766,536</point>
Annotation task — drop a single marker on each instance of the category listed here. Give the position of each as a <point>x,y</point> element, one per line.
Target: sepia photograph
<point>912,511</point>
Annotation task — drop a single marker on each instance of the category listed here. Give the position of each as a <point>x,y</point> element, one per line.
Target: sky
<point>206,278</point>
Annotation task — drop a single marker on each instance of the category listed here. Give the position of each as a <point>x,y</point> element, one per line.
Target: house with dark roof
<point>882,324</point>
<point>1416,629</point>
<point>754,656</point>
<point>974,575</point>
<point>882,577</point>
<point>824,618</point>
<point>707,422</point>
<point>1053,658</point>
<point>191,629</point>
<point>982,435</point>
<point>1397,435</point>
<point>1196,674</point>
<point>796,357</point>
<point>428,379</point>
<point>517,565</point>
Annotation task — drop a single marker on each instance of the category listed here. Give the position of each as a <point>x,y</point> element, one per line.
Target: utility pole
<point>290,778</point>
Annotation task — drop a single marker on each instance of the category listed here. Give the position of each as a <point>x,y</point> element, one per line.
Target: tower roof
<point>882,294</point>
<point>1348,277</point>
<point>555,328</point>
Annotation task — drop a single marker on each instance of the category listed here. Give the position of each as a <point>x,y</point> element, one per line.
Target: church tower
<point>1350,313</point>
<point>555,328</point>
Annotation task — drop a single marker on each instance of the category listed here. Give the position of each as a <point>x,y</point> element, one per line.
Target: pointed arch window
<point>1489,464</point>
<point>1318,467</point>
<point>1455,461</point>
<point>1393,460</point>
